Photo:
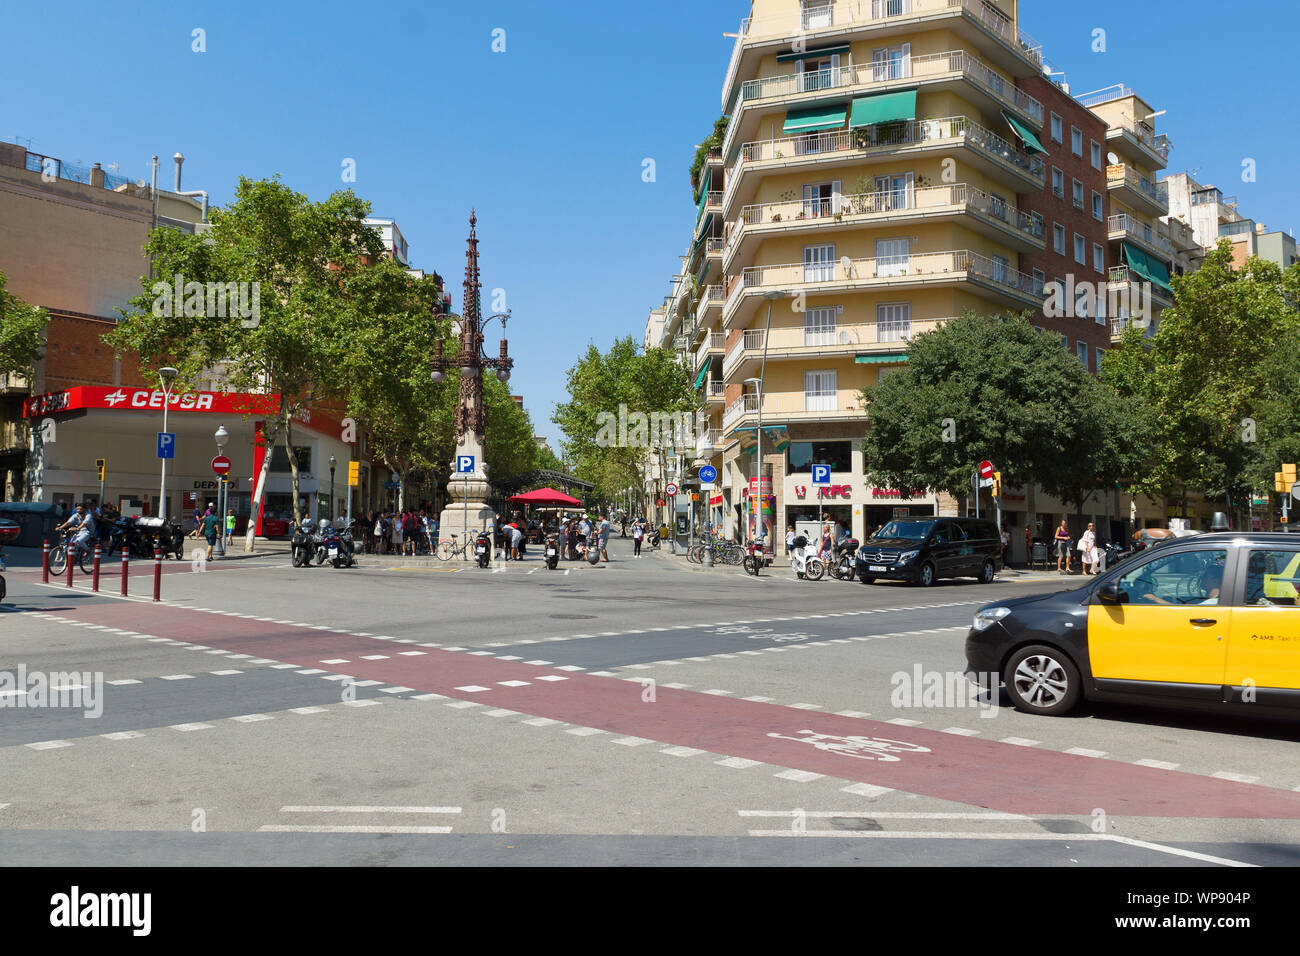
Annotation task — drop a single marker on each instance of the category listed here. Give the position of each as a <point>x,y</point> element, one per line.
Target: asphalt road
<point>643,711</point>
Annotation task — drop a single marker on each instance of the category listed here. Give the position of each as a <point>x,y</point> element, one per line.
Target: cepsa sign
<point>145,399</point>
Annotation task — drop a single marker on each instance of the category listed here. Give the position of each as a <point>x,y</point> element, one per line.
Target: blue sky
<point>547,139</point>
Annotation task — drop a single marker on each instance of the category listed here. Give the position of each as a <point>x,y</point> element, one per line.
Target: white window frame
<point>887,186</point>
<point>1040,281</point>
<point>893,321</point>
<point>1058,233</point>
<point>813,208</point>
<point>816,14</point>
<point>818,264</point>
<point>1076,193</point>
<point>1076,136</point>
<point>1057,128</point>
<point>1098,258</point>
<point>883,61</point>
<point>1098,207</point>
<point>1080,250</point>
<point>893,263</point>
<point>1096,154</point>
<point>819,326</point>
<point>820,390</point>
<point>1081,352</point>
<point>1058,183</point>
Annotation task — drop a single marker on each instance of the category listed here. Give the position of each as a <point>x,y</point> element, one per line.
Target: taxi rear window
<point>1273,577</point>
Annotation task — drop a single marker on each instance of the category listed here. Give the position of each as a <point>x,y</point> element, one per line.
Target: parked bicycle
<point>449,548</point>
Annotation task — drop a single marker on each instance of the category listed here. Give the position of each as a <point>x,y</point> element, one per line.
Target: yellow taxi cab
<point>1208,621</point>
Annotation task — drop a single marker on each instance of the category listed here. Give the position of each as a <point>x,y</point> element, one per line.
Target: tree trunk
<point>293,468</point>
<point>268,442</point>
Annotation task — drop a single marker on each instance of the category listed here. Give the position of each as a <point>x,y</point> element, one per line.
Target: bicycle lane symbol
<point>761,634</point>
<point>862,748</point>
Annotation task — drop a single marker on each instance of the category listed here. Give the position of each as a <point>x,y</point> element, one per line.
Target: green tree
<point>990,388</point>
<point>21,326</point>
<point>712,141</point>
<point>1219,378</point>
<point>308,261</point>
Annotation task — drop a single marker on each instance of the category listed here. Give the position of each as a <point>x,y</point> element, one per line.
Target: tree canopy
<point>21,326</point>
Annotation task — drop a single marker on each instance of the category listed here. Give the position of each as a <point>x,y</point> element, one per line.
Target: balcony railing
<point>713,247</point>
<point>745,405</point>
<point>1140,231</point>
<point>13,434</point>
<point>935,65</point>
<point>839,14</point>
<point>714,341</point>
<point>799,404</point>
<point>1122,174</point>
<point>891,202</point>
<point>887,136</point>
<point>709,439</point>
<point>716,388</point>
<point>12,381</point>
<point>1123,276</point>
<point>891,267</point>
<point>1157,144</point>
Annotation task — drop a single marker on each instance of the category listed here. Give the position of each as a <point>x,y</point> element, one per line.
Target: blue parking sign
<point>821,474</point>
<point>464,464</point>
<point>166,445</point>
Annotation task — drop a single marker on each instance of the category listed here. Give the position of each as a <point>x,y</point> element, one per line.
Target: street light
<point>166,375</point>
<point>333,462</point>
<point>221,436</point>
<point>761,532</point>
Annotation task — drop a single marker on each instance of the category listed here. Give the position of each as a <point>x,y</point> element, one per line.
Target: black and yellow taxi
<point>1208,621</point>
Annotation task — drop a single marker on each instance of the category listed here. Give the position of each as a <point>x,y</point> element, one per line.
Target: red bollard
<point>124,569</point>
<point>68,551</point>
<point>94,574</point>
<point>45,562</point>
<point>157,575</point>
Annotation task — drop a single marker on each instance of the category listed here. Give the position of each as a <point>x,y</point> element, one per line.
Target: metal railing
<point>1123,275</point>
<point>1144,135</point>
<point>888,202</point>
<point>716,388</point>
<point>70,172</point>
<point>891,267</point>
<point>887,135</point>
<point>1140,231</point>
<point>714,341</point>
<point>1128,176</point>
<point>713,247</point>
<point>14,381</point>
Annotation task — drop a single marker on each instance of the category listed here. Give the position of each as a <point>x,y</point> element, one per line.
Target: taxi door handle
<point>1203,620</point>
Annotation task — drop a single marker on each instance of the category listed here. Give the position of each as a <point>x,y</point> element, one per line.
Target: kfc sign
<point>825,491</point>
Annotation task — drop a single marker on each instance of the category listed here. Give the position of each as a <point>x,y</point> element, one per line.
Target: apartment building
<point>871,171</point>
<point>1211,216</point>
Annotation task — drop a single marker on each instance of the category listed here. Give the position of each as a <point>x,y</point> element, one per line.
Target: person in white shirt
<point>1087,547</point>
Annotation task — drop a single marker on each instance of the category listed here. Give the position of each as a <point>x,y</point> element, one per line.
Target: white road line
<point>337,660</point>
<point>123,735</point>
<point>1235,777</point>
<point>866,790</point>
<point>462,704</point>
<point>307,710</point>
<point>758,700</point>
<point>960,731</point>
<point>552,677</point>
<point>1020,741</point>
<point>682,751</point>
<point>499,712</point>
<point>185,728</point>
<point>737,763</point>
<point>584,731</point>
<point>177,677</point>
<point>123,682</point>
<point>252,718</point>
<point>1085,752</point>
<point>224,673</point>
<point>312,670</point>
<point>375,657</point>
<point>851,713</point>
<point>287,828</point>
<point>365,809</point>
<point>719,693</point>
<point>410,653</point>
<point>1158,764</point>
<point>541,722</point>
<point>799,776</point>
<point>807,707</point>
<point>632,741</point>
<point>514,683</point>
<point>904,722</point>
<point>50,744</point>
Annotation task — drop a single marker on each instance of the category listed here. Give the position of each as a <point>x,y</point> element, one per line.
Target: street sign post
<point>708,474</point>
<point>221,465</point>
<point>166,445</point>
<point>101,465</point>
<point>821,474</point>
<point>986,469</point>
<point>670,489</point>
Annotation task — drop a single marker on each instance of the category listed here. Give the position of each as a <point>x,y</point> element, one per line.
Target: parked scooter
<point>805,565</point>
<point>552,551</point>
<point>333,546</point>
<point>842,566</point>
<point>483,549</point>
<point>9,531</point>
<point>303,545</point>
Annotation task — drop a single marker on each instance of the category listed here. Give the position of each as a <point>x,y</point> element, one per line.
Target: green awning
<point>699,379</point>
<point>815,119</point>
<point>1026,135</point>
<point>812,54</point>
<point>881,358</point>
<point>1159,272</point>
<point>1137,261</point>
<point>883,108</point>
<point>704,194</point>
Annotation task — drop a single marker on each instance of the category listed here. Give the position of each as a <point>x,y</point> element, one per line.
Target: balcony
<point>1120,325</point>
<point>712,203</point>
<point>1133,189</point>
<point>977,23</point>
<point>709,442</point>
<point>991,216</point>
<point>711,297</point>
<point>715,391</point>
<point>932,72</point>
<point>886,142</point>
<point>842,405</point>
<point>13,382</point>
<point>1138,142</point>
<point>13,435</point>
<point>713,344</point>
<point>795,342</point>
<point>1127,227</point>
<point>1122,278</point>
<point>990,278</point>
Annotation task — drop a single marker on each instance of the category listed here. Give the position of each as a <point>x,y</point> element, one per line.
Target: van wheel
<point>1042,680</point>
<point>927,576</point>
<point>987,573</point>
<point>867,579</point>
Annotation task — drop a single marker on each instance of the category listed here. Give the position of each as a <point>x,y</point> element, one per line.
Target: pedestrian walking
<point>1006,547</point>
<point>211,528</point>
<point>603,530</point>
<point>1063,547</point>
<point>638,532</point>
<point>230,528</point>
<point>1029,543</point>
<point>1087,549</point>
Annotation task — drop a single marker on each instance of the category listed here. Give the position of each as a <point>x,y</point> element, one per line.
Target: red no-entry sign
<point>986,469</point>
<point>221,465</point>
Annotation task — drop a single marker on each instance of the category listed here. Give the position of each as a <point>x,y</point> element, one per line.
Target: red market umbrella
<point>546,496</point>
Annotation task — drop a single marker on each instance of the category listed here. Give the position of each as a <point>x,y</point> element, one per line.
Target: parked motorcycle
<point>483,549</point>
<point>754,558</point>
<point>333,546</point>
<point>9,531</point>
<point>805,565</point>
<point>552,551</point>
<point>303,545</point>
<point>842,565</point>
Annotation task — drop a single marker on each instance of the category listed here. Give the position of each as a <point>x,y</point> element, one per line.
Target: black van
<point>923,550</point>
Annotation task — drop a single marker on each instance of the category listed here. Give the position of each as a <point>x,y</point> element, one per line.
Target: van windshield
<point>911,530</point>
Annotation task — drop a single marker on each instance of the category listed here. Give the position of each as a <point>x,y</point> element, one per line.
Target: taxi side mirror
<point>1111,594</point>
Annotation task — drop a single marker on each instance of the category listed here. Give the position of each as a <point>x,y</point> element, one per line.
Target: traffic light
<point>996,489</point>
<point>100,464</point>
<point>1284,479</point>
<point>354,474</point>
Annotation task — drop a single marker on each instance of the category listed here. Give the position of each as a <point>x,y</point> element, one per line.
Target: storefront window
<point>280,460</point>
<point>804,454</point>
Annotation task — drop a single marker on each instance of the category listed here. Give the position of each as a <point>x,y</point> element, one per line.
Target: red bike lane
<point>982,773</point>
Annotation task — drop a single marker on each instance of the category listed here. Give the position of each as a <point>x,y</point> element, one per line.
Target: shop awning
<point>883,108</point>
<point>1026,135</point>
<point>699,379</point>
<point>812,54</point>
<point>814,120</point>
<point>881,358</point>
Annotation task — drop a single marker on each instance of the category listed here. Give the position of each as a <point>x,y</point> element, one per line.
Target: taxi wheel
<point>1042,680</point>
